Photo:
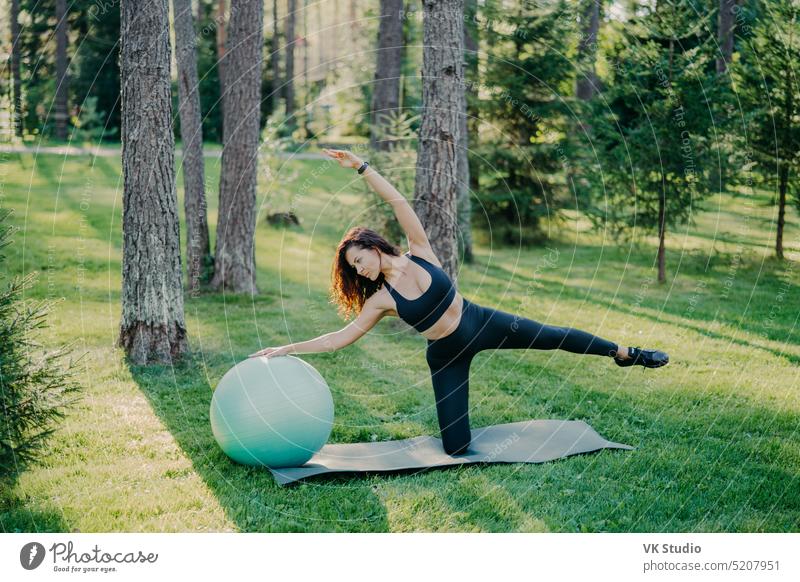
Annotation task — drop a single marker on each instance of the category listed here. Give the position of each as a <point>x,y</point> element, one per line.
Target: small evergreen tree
<point>653,131</point>
<point>524,116</point>
<point>767,81</point>
<point>34,390</point>
<point>89,125</point>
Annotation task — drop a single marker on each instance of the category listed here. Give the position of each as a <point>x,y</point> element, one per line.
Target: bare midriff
<point>447,323</point>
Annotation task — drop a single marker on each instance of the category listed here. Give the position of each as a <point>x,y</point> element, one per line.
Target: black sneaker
<point>646,358</point>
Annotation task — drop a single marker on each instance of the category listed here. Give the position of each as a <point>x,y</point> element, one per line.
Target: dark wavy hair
<point>348,290</point>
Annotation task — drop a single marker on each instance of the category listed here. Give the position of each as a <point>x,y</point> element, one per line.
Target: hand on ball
<point>271,352</point>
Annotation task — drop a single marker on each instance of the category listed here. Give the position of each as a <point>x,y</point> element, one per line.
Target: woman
<point>371,278</point>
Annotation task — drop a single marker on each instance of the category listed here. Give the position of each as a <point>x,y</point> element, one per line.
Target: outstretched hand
<point>271,352</point>
<point>346,159</point>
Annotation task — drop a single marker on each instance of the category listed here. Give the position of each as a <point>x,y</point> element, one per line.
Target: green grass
<point>716,431</point>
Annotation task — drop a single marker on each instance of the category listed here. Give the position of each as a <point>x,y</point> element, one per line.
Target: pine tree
<point>386,90</point>
<point>235,262</point>
<point>35,390</point>
<point>436,184</point>
<point>199,262</point>
<point>767,81</point>
<point>653,132</point>
<point>152,326</point>
<point>525,120</point>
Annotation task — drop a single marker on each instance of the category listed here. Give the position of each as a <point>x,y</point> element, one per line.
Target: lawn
<point>716,431</point>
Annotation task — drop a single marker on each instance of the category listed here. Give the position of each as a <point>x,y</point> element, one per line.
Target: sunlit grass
<point>716,431</point>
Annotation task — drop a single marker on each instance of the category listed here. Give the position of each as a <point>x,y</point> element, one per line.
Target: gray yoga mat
<point>528,441</point>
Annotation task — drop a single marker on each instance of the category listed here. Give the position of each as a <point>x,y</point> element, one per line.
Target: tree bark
<point>662,229</point>
<point>783,182</point>
<point>354,16</point>
<point>784,159</point>
<point>234,267</point>
<point>335,35</point>
<point>198,254</point>
<point>306,86</point>
<point>275,58</point>
<point>464,203</point>
<point>152,327</point>
<point>386,89</point>
<point>221,40</point>
<point>15,59</point>
<point>62,80</point>
<point>321,38</point>
<point>725,25</point>
<point>436,186</point>
<point>473,122</point>
<point>586,83</point>
<point>290,44</point>
<point>662,199</point>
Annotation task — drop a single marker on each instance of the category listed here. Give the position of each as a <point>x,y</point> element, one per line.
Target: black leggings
<point>483,328</point>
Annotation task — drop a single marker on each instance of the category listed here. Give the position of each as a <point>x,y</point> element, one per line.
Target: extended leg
<point>505,330</point>
<point>451,388</point>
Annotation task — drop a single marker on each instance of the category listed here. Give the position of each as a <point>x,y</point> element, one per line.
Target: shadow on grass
<point>692,471</point>
<point>697,467</point>
<point>181,398</point>
<point>700,465</point>
<point>16,516</point>
<point>728,310</point>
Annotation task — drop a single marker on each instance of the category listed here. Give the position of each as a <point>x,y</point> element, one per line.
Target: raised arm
<point>336,340</point>
<point>408,219</point>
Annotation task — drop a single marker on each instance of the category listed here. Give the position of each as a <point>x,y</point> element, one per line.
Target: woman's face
<point>365,261</point>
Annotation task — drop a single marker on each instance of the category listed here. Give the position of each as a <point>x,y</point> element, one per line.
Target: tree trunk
<point>321,38</point>
<point>726,22</point>
<point>152,327</point>
<point>662,215</point>
<point>275,58</point>
<point>15,59</point>
<point>198,254</point>
<point>586,83</point>
<point>464,202</point>
<point>783,182</point>
<point>306,86</point>
<point>354,16</point>
<point>783,159</point>
<point>290,43</point>
<point>473,122</point>
<point>62,80</point>
<point>386,89</point>
<point>404,58</point>
<point>436,187</point>
<point>221,25</point>
<point>662,199</point>
<point>335,34</point>
<point>234,267</point>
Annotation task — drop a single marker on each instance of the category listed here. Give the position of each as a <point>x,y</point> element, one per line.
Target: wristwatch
<point>363,167</point>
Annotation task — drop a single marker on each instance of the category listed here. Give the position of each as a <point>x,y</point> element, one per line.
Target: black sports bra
<point>423,312</point>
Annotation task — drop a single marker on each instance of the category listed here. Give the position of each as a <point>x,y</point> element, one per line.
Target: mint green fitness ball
<point>274,411</point>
